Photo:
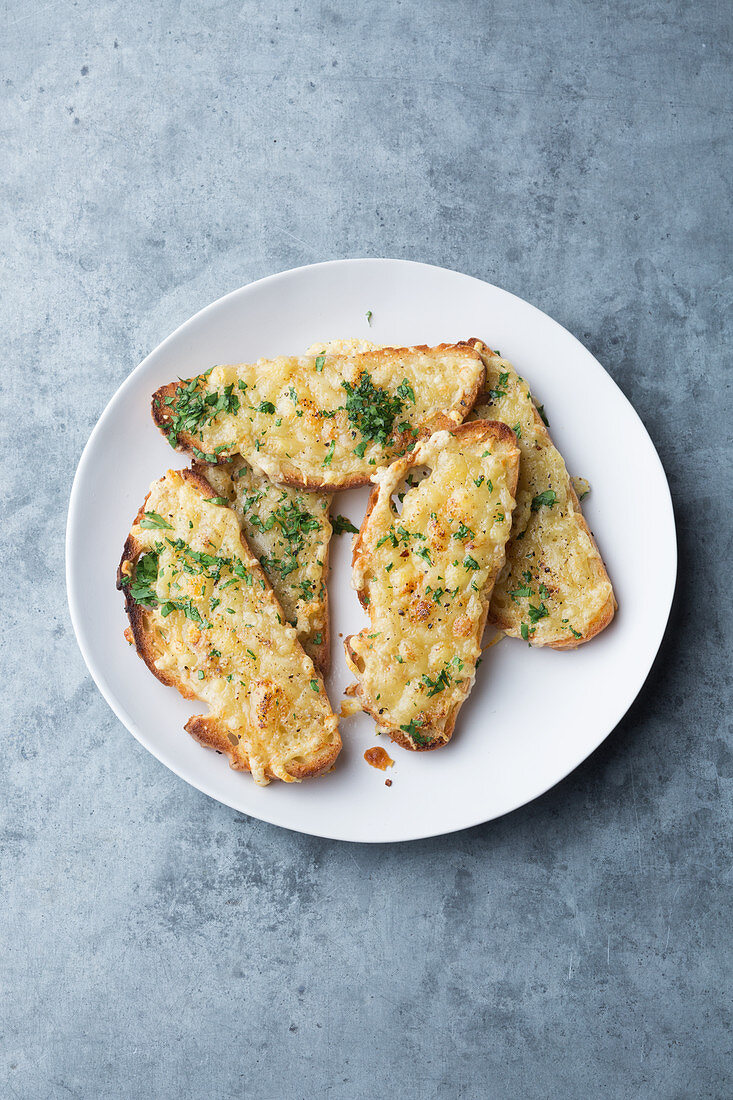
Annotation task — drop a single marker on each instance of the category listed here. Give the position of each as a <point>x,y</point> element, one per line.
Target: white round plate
<point>534,714</point>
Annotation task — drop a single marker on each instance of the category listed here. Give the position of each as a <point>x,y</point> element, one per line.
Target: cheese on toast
<point>205,620</point>
<point>425,575</point>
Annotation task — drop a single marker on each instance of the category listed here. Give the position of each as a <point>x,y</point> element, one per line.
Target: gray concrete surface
<point>155,944</point>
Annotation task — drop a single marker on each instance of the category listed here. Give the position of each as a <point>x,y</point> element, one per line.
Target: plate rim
<point>97,675</point>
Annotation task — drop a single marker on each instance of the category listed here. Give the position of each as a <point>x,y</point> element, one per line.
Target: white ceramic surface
<point>534,715</point>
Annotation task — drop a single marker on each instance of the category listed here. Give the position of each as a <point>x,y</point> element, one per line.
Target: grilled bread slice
<point>322,421</point>
<point>289,530</point>
<point>425,577</point>
<point>554,589</point>
<point>205,620</point>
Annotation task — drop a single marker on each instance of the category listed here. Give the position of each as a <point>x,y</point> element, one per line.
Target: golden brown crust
<point>209,731</point>
<point>289,474</point>
<point>606,612</point>
<point>443,720</point>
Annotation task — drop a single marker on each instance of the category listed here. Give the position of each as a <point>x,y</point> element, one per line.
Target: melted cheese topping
<point>218,629</point>
<point>426,575</point>
<point>292,422</point>
<point>289,531</point>
<point>554,587</point>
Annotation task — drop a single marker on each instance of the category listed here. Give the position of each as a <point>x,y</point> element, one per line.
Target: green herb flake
<point>329,453</point>
<point>470,563</point>
<point>537,613</point>
<point>371,409</point>
<point>341,524</point>
<point>547,498</point>
<point>320,363</point>
<point>412,729</point>
<point>543,415</point>
<point>405,391</point>
<point>152,520</point>
<point>500,390</point>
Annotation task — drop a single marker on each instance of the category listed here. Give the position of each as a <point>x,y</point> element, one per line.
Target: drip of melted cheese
<point>233,649</point>
<point>426,575</point>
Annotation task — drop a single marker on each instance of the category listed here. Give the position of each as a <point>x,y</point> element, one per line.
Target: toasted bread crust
<point>498,617</point>
<point>209,731</point>
<point>288,472</point>
<point>442,719</point>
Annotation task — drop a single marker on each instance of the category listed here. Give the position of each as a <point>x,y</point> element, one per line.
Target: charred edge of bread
<point>322,653</point>
<point>482,429</point>
<point>607,612</point>
<point>292,476</point>
<point>209,731</point>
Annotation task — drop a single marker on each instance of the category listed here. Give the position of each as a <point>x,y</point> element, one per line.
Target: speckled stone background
<point>156,155</point>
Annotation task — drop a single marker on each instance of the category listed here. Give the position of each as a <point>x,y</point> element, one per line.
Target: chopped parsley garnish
<point>463,532</point>
<point>341,524</point>
<point>329,453</point>
<point>574,632</point>
<point>424,553</point>
<point>412,729</point>
<point>360,448</point>
<point>524,631</point>
<point>437,685</point>
<point>194,408</point>
<point>470,563</point>
<point>369,317</point>
<point>543,417</point>
<point>537,613</point>
<point>142,589</point>
<point>213,457</point>
<point>405,391</point>
<point>500,390</point>
<point>320,363</point>
<point>371,409</point>
<point>216,500</point>
<point>547,498</point>
<point>152,520</point>
<point>544,592</point>
<point>318,638</point>
<point>201,674</point>
<point>520,592</point>
<point>314,685</point>
<point>517,429</point>
<point>266,407</point>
